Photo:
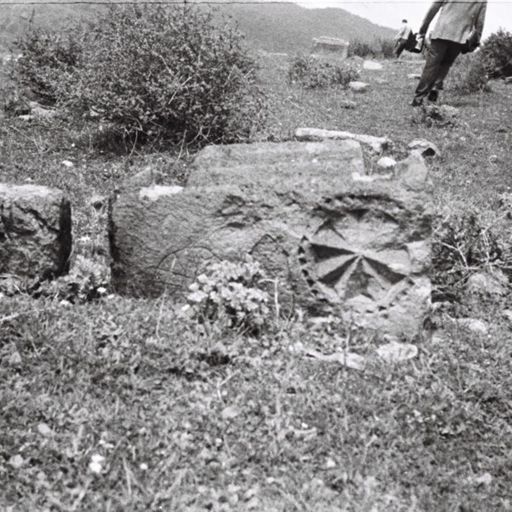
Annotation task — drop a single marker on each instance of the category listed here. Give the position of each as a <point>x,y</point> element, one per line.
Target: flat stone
<point>414,76</point>
<point>35,232</point>
<point>260,162</point>
<point>377,144</point>
<point>358,87</point>
<point>331,46</point>
<point>372,65</point>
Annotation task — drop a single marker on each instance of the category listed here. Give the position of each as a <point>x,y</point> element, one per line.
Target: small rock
<point>358,87</point>
<point>395,352</point>
<point>230,412</point>
<point>473,325</point>
<point>144,178</point>
<point>493,159</point>
<point>386,163</point>
<point>44,429</point>
<point>26,117</point>
<point>372,65</point>
<point>424,147</point>
<point>330,463</point>
<point>16,461</point>
<point>414,76</point>
<point>483,479</point>
<point>508,80</point>
<point>15,359</point>
<point>413,172</point>
<point>487,284</point>
<point>68,163</point>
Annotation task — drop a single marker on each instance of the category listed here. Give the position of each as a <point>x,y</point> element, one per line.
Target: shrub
<point>387,48</point>
<point>374,48</point>
<point>313,73</point>
<point>466,241</point>
<point>229,295</point>
<point>469,74</point>
<point>497,54</point>
<point>46,59</point>
<point>171,73</point>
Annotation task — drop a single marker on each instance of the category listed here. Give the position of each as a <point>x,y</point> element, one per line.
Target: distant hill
<point>272,27</point>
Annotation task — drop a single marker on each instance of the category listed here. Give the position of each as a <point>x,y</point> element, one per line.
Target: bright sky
<point>390,12</point>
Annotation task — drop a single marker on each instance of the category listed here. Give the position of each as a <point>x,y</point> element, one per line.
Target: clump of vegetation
<point>47,59</point>
<point>312,73</point>
<point>497,54</point>
<point>469,74</point>
<point>230,295</point>
<point>466,241</point>
<point>150,73</point>
<point>375,48</point>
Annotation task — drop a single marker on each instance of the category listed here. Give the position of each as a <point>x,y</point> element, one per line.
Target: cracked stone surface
<point>35,232</point>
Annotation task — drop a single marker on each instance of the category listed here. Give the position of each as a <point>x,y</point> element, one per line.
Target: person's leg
<point>451,54</point>
<point>400,47</point>
<point>436,54</point>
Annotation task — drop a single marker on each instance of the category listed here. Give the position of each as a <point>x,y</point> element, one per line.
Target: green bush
<point>469,74</point>
<point>465,241</point>
<point>150,73</point>
<point>374,48</point>
<point>497,54</point>
<point>169,73</point>
<point>312,73</point>
<point>47,58</point>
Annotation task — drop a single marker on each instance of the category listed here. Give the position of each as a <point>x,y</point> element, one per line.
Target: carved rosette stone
<point>363,261</point>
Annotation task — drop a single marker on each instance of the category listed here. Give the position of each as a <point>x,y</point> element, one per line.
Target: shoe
<point>433,95</point>
<point>417,102</point>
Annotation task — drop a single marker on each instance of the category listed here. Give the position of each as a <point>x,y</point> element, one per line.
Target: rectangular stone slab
<point>35,231</point>
<point>265,162</point>
<point>360,249</point>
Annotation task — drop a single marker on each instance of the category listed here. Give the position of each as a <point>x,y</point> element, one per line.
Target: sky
<point>391,12</point>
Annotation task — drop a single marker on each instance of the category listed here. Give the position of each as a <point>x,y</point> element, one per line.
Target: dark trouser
<point>400,47</point>
<point>441,54</point>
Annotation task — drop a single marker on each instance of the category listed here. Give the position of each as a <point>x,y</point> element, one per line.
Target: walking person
<point>458,30</point>
<point>402,38</point>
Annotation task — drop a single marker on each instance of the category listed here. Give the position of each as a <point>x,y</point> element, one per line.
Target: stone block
<point>330,46</point>
<point>35,231</point>
<point>360,249</point>
<point>261,162</point>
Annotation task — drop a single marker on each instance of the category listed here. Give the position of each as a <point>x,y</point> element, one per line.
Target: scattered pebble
<point>44,429</point>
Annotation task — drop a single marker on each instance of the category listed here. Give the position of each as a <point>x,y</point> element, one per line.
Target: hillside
<point>272,27</point>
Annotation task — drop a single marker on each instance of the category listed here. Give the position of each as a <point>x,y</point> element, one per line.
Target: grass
<point>228,422</point>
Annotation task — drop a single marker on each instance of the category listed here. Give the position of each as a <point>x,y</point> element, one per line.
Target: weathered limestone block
<point>35,231</point>
<point>361,249</point>
<point>331,46</point>
<point>256,163</point>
